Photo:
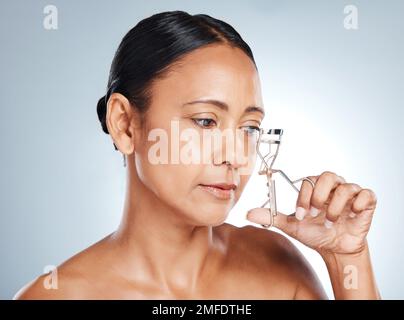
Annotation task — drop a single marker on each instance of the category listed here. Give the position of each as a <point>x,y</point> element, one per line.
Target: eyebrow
<point>223,106</point>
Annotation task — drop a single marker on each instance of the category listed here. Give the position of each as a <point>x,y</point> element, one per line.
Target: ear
<point>119,118</point>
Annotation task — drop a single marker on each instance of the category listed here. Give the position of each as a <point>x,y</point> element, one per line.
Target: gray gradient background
<point>62,183</point>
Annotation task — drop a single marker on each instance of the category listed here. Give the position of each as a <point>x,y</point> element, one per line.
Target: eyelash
<point>255,128</point>
<point>202,119</point>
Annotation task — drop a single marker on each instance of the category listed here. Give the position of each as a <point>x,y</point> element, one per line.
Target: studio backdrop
<point>331,75</point>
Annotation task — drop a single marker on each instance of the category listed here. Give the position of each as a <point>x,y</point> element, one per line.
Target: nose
<point>232,151</point>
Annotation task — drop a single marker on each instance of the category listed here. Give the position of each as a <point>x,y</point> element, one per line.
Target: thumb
<point>283,222</point>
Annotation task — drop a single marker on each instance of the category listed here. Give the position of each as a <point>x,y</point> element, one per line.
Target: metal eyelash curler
<point>273,137</point>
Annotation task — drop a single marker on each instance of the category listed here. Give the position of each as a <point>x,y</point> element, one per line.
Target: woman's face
<point>228,79</point>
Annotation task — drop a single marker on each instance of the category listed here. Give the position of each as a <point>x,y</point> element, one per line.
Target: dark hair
<point>153,45</point>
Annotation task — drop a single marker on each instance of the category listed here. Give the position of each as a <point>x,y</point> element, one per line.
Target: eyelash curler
<point>273,137</point>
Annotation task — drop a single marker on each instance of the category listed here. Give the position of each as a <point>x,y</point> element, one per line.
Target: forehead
<point>219,72</point>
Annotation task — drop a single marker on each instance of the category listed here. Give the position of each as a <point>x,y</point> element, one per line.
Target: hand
<point>334,217</point>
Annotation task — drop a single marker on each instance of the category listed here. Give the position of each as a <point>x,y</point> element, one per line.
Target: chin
<point>214,217</point>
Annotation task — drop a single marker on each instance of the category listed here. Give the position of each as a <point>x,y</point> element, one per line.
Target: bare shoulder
<point>275,259</point>
<point>53,286</point>
<point>261,241</point>
<point>70,280</point>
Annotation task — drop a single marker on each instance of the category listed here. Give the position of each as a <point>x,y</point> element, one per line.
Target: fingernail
<point>328,224</point>
<point>352,215</point>
<point>314,211</point>
<point>300,213</point>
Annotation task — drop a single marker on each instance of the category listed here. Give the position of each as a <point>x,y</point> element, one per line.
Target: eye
<point>251,130</point>
<point>205,123</point>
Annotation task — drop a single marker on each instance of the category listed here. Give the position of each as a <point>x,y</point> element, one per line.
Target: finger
<point>366,199</point>
<point>286,223</point>
<point>303,199</point>
<point>325,185</point>
<point>343,194</point>
<point>259,216</point>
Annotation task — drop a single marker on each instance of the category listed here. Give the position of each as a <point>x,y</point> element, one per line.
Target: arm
<point>352,275</point>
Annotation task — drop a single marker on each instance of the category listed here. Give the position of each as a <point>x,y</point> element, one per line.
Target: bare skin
<point>232,270</point>
<point>172,242</point>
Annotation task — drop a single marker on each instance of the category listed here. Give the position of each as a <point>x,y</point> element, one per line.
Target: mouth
<point>221,191</point>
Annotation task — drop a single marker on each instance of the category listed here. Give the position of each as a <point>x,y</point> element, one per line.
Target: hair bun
<point>102,113</point>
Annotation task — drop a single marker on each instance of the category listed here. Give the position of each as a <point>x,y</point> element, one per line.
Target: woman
<point>193,72</point>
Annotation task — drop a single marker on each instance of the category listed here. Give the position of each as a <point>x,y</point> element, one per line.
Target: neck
<point>157,243</point>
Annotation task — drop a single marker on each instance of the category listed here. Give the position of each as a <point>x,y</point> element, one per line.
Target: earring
<point>124,160</point>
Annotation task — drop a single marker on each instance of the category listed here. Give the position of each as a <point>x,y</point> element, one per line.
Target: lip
<point>222,191</point>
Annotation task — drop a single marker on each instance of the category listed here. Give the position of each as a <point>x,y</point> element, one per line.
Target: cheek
<point>243,182</point>
<point>153,161</point>
<point>171,182</point>
<point>167,181</point>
